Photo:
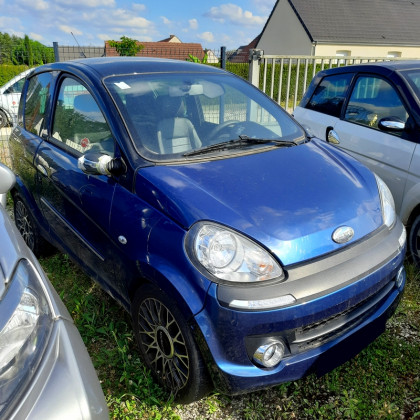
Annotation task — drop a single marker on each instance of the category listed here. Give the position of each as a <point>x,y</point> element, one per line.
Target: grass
<point>382,382</point>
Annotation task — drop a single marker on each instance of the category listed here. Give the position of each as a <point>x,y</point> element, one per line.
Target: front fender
<point>410,202</point>
<point>173,271</point>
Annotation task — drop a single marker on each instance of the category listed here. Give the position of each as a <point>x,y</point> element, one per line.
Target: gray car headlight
<point>25,326</point>
<point>387,203</point>
<point>229,256</point>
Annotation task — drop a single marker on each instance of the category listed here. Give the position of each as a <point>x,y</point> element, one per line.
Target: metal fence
<point>286,78</point>
<point>283,78</point>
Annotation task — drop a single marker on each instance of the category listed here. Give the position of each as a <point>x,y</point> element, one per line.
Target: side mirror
<point>332,137</point>
<point>7,180</point>
<point>98,164</point>
<point>391,124</point>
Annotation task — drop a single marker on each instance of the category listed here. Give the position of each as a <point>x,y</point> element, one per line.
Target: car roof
<point>383,67</point>
<point>108,66</point>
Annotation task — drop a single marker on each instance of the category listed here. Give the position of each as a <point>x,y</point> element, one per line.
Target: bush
<point>9,71</point>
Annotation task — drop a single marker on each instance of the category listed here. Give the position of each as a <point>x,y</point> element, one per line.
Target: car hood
<point>290,200</point>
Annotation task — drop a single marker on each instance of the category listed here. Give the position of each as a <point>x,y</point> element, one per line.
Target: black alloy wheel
<point>167,345</point>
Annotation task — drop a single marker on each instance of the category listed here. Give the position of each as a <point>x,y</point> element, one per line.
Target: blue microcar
<point>246,252</point>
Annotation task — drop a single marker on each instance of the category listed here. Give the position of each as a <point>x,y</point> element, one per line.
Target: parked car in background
<point>45,370</point>
<point>9,98</point>
<point>244,250</point>
<point>372,111</point>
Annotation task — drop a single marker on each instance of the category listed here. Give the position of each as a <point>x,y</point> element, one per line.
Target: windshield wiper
<point>241,141</point>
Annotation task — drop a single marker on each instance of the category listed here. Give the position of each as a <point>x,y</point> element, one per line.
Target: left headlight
<point>25,326</point>
<point>387,202</point>
<point>229,256</point>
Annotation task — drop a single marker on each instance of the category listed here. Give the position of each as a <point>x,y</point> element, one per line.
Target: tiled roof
<point>175,50</point>
<point>241,55</point>
<point>360,21</point>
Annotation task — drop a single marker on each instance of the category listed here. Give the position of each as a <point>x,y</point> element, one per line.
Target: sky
<point>212,23</point>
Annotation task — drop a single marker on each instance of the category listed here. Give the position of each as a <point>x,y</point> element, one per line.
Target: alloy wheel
<point>164,344</point>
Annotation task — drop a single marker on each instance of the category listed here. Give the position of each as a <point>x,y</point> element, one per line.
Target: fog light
<point>400,278</point>
<point>270,354</point>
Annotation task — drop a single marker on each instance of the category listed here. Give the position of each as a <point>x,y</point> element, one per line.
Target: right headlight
<point>229,256</point>
<point>387,202</point>
<point>25,326</point>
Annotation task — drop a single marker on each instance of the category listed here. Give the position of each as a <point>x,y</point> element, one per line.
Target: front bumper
<point>65,385</point>
<point>342,304</point>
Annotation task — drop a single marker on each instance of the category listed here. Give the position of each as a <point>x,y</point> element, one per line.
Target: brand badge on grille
<point>342,234</point>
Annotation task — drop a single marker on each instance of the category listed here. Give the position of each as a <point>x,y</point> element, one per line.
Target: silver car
<point>45,370</point>
<point>9,98</point>
<point>372,111</point>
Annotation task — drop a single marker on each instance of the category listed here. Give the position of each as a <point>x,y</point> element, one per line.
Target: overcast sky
<point>212,23</point>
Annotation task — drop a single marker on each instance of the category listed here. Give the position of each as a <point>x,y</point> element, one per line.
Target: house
<point>241,55</point>
<point>171,47</point>
<point>365,28</point>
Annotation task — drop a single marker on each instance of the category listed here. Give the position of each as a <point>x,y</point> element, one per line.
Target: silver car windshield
<point>180,116</point>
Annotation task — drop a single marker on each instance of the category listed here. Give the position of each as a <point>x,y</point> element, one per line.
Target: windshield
<point>413,78</point>
<point>171,115</point>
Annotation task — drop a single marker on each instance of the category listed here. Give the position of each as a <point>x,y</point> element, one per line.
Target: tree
<point>126,46</point>
<point>28,48</point>
<point>195,59</point>
<point>15,50</point>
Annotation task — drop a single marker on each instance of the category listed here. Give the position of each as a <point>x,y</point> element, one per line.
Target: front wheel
<point>414,242</point>
<point>167,346</point>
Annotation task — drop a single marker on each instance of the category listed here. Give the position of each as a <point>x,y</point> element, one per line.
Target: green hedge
<point>9,71</point>
<point>242,69</point>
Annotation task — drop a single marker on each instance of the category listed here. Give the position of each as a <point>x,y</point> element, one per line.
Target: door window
<point>37,98</point>
<point>78,121</point>
<point>372,99</point>
<point>329,95</point>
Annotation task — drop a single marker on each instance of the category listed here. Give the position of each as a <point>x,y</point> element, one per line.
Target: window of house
<point>78,121</point>
<point>37,98</point>
<point>372,99</point>
<point>394,54</point>
<point>329,95</point>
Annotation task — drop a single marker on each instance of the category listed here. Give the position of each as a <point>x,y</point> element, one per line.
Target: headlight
<point>387,202</point>
<point>230,256</point>
<point>25,325</point>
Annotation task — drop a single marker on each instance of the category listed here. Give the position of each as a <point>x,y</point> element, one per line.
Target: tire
<point>167,346</point>
<point>414,242</point>
<point>27,227</point>
<point>3,119</point>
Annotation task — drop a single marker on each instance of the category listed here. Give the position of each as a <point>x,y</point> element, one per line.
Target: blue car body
<point>139,225</point>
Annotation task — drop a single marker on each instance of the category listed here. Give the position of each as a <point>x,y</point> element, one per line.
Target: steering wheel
<point>216,130</point>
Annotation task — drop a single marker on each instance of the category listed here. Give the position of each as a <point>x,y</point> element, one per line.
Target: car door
<point>77,205</point>
<point>323,110</point>
<point>387,152</point>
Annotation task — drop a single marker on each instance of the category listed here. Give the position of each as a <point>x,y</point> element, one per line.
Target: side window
<point>372,99</point>
<point>37,98</point>
<point>329,95</point>
<point>78,121</point>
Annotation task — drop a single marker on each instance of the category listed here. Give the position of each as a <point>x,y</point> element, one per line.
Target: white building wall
<point>368,51</point>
